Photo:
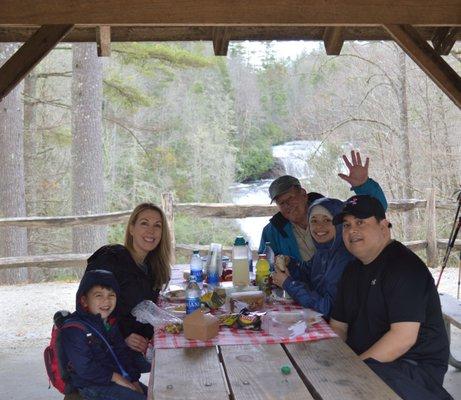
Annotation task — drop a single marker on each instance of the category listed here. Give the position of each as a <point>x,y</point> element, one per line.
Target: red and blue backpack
<point>56,363</point>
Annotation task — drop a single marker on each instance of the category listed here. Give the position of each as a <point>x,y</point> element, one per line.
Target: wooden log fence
<point>209,210</point>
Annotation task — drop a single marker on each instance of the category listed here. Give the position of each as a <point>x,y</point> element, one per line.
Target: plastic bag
<point>147,312</point>
<point>288,323</point>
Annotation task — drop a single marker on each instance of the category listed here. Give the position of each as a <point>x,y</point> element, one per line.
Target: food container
<point>200,326</point>
<point>252,301</point>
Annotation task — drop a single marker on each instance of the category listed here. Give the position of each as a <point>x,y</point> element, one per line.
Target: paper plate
<point>175,295</point>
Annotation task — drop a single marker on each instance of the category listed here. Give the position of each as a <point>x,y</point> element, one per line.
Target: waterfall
<point>294,156</point>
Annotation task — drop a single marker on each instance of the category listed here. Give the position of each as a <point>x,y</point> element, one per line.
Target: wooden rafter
<point>333,40</point>
<point>194,33</point>
<point>444,39</point>
<point>231,13</point>
<point>221,40</point>
<point>103,40</point>
<point>430,62</point>
<point>29,55</point>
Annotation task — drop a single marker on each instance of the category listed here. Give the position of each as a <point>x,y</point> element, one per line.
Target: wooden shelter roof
<point>411,23</point>
<point>234,33</point>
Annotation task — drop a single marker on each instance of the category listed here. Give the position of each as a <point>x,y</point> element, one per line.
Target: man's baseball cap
<point>361,206</point>
<point>282,185</point>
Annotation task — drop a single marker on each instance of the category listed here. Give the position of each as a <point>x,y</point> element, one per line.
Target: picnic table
<point>320,369</point>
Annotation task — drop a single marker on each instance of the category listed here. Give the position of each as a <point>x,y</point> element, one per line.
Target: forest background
<point>86,135</point>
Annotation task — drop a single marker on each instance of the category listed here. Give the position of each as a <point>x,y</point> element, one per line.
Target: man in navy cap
<point>387,308</point>
<point>288,231</point>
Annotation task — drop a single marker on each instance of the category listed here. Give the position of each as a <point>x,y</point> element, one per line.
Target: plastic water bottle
<point>270,256</point>
<point>213,272</point>
<point>193,294</point>
<point>196,269</point>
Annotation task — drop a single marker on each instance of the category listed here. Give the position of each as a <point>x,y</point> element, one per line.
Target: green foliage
<point>124,94</point>
<point>253,162</point>
<point>274,133</point>
<point>192,230</point>
<point>141,53</point>
<point>116,233</point>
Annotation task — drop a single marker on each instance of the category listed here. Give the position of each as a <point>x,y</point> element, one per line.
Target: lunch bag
<point>56,362</point>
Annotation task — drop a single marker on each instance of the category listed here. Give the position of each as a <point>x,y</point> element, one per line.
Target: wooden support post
<point>431,232</point>
<point>426,57</point>
<point>167,206</point>
<point>333,40</point>
<point>103,40</point>
<point>220,41</point>
<point>29,55</point>
<point>444,39</point>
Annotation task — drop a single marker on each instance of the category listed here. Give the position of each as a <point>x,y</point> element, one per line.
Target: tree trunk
<point>30,156</point>
<point>87,148</point>
<point>405,142</point>
<point>13,240</point>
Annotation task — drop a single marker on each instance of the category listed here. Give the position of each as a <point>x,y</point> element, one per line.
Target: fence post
<point>431,233</point>
<point>167,206</point>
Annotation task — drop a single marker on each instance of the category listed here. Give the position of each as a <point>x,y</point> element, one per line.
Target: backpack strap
<point>80,324</point>
<point>73,324</point>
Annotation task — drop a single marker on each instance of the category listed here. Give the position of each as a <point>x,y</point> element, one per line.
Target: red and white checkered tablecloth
<point>227,336</point>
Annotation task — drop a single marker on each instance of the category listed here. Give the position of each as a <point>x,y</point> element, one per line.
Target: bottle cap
<point>286,370</point>
<point>262,256</point>
<point>239,241</point>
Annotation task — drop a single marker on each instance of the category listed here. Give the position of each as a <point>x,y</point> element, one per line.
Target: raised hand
<point>358,172</point>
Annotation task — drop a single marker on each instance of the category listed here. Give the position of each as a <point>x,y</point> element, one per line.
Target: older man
<point>288,230</point>
<point>387,308</point>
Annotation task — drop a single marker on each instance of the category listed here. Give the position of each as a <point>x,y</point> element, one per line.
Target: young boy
<point>94,370</point>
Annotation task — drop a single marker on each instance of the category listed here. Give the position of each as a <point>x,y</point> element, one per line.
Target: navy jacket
<point>279,231</point>
<point>313,283</point>
<point>135,285</point>
<point>88,357</point>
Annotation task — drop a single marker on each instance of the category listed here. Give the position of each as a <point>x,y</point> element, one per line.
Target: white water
<point>294,156</point>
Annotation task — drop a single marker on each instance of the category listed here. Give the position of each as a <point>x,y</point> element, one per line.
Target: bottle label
<point>213,278</point>
<point>192,304</point>
<point>198,274</point>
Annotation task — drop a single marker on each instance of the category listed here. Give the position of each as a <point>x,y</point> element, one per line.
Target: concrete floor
<point>25,369</point>
<point>23,375</point>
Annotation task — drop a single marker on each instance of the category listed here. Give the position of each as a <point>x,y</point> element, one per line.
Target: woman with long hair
<point>142,267</point>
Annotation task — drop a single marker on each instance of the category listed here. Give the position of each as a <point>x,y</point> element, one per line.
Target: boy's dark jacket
<point>135,285</point>
<point>90,360</point>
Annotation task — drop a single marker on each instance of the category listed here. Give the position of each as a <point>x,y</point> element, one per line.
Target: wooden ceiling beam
<point>221,41</point>
<point>103,40</point>
<point>231,13</point>
<point>444,39</point>
<point>430,62</point>
<point>333,40</point>
<point>192,33</point>
<point>29,55</point>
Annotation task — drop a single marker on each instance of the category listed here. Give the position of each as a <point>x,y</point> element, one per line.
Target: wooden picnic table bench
<point>323,370</point>
<point>451,310</point>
